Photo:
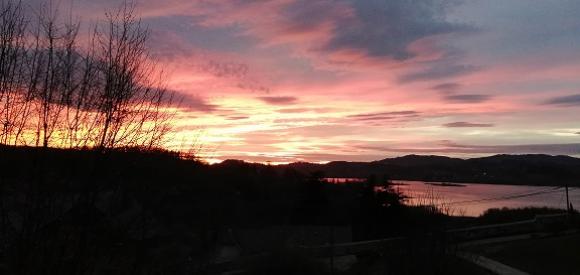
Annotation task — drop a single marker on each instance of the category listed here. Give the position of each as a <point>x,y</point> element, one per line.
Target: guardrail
<point>538,224</point>
<point>541,223</point>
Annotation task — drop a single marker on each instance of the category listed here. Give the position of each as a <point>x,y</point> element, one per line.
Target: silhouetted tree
<point>12,74</point>
<point>131,97</point>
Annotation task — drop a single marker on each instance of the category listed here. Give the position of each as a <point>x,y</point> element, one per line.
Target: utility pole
<point>332,249</point>
<point>568,201</point>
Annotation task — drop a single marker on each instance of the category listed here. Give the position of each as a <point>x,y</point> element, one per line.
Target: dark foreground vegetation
<point>131,211</point>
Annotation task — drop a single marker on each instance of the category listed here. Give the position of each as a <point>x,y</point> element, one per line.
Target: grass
<point>549,256</point>
<point>505,215</point>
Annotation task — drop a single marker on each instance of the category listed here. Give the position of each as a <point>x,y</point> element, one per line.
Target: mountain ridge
<point>532,169</point>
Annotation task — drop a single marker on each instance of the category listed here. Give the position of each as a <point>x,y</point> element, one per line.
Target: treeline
<point>61,87</point>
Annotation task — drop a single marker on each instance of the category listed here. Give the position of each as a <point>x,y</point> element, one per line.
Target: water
<point>470,199</point>
<point>473,199</point>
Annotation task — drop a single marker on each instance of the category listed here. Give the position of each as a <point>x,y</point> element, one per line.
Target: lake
<point>473,199</point>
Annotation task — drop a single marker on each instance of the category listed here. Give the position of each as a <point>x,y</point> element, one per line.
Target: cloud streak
<point>192,103</point>
<point>450,148</point>
<point>446,87</point>
<point>279,100</point>
<point>466,98</point>
<point>463,124</point>
<point>386,116</point>
<point>439,71</point>
<point>565,101</point>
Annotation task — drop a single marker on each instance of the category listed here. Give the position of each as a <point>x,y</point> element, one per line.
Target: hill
<point>502,169</point>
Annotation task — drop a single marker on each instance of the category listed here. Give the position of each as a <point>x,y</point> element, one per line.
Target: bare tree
<point>108,94</point>
<point>12,52</point>
<point>132,96</point>
<point>53,66</point>
<point>80,85</point>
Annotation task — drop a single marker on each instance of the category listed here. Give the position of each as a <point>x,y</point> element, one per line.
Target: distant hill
<point>501,169</point>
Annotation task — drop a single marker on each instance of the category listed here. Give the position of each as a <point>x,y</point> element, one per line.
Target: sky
<point>359,80</point>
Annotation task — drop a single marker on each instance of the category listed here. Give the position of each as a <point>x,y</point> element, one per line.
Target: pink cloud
<point>287,79</point>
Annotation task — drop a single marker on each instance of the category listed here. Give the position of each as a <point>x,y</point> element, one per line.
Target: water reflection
<point>470,199</point>
<point>473,199</point>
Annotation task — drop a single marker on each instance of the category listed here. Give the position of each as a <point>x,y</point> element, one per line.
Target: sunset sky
<point>323,80</point>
